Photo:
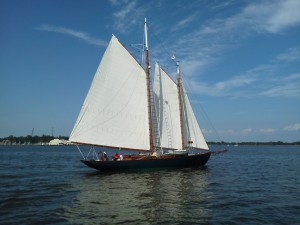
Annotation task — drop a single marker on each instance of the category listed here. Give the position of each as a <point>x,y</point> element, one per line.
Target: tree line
<point>30,139</point>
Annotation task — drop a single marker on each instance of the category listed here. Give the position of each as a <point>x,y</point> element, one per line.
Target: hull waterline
<point>175,162</point>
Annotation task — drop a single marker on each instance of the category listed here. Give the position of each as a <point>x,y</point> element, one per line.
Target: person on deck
<point>106,157</point>
<point>100,155</point>
<point>117,157</point>
<point>103,156</point>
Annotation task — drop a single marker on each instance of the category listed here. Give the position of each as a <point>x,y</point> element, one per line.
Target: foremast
<point>147,68</point>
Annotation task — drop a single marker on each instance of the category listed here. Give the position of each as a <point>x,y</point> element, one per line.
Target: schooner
<point>122,112</point>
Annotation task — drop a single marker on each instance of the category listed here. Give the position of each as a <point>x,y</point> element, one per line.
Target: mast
<point>148,86</point>
<point>180,103</point>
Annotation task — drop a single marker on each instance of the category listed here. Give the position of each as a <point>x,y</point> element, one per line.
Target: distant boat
<point>121,112</point>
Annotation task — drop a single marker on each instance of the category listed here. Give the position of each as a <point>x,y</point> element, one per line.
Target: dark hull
<point>176,162</point>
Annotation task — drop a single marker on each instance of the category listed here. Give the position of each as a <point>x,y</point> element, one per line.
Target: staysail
<point>192,131</point>
<point>115,111</point>
<point>167,109</point>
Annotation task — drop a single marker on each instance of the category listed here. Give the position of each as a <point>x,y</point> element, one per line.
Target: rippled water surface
<point>246,185</point>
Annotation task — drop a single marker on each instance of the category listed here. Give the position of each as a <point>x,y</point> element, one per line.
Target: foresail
<point>115,111</point>
<point>167,109</point>
<point>192,130</point>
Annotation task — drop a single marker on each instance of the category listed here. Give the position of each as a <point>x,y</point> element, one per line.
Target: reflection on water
<point>163,196</point>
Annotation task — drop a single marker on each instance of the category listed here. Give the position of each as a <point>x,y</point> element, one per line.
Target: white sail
<point>115,111</point>
<point>192,131</point>
<point>167,109</point>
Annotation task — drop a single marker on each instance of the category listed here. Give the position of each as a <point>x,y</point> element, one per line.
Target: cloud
<point>125,11</point>
<point>224,4</point>
<point>114,2</point>
<point>226,132</point>
<point>294,127</point>
<point>267,16</point>
<point>267,130</point>
<point>228,87</point>
<point>184,22</point>
<point>278,84</point>
<point>237,81</point>
<point>285,90</point>
<point>263,130</point>
<point>286,86</point>
<point>127,15</point>
<point>74,33</point>
<point>207,131</point>
<point>263,80</point>
<point>247,130</point>
<point>244,132</point>
<point>293,77</point>
<point>285,15</point>
<point>291,55</point>
<point>217,35</point>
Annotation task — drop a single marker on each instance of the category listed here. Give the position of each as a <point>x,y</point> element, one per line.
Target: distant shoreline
<point>45,140</point>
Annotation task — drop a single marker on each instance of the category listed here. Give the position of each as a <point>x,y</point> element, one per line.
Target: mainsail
<point>115,111</point>
<point>168,114</point>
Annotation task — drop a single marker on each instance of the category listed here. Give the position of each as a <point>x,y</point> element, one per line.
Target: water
<point>246,185</point>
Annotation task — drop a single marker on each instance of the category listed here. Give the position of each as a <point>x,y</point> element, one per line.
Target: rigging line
<point>198,105</point>
<point>160,42</point>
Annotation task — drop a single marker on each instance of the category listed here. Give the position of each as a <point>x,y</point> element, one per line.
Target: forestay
<point>115,111</point>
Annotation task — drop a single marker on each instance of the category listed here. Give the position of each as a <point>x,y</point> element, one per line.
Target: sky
<point>240,60</point>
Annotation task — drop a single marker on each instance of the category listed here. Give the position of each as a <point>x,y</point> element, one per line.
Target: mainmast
<point>180,103</point>
<point>148,86</point>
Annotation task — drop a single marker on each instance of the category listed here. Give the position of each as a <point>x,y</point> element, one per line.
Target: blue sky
<point>240,60</point>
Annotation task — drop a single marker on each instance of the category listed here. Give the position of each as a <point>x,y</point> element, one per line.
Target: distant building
<point>59,142</point>
<point>5,142</point>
